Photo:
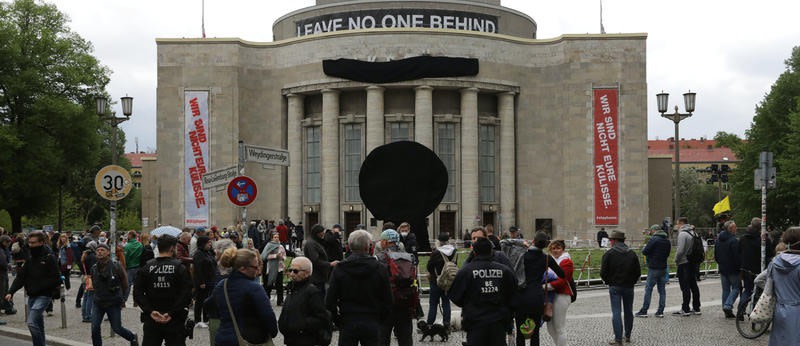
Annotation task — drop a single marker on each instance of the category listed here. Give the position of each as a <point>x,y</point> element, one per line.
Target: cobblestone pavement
<point>588,323</point>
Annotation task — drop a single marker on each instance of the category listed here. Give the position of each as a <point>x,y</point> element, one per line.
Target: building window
<point>352,161</point>
<point>446,149</point>
<point>487,163</point>
<point>313,178</point>
<point>399,131</point>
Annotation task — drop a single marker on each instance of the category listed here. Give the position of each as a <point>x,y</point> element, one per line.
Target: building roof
<point>136,158</point>
<point>692,150</point>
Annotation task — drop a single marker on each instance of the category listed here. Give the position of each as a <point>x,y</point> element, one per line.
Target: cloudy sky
<point>729,52</point>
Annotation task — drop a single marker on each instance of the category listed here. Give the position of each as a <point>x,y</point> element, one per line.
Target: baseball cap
<point>390,235</point>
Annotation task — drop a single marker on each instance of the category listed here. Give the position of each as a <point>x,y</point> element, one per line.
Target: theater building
<point>541,133</point>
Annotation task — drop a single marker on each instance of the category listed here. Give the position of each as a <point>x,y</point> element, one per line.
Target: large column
<point>294,139</point>
<point>330,157</point>
<point>423,116</point>
<point>375,127</point>
<point>470,207</point>
<point>508,164</point>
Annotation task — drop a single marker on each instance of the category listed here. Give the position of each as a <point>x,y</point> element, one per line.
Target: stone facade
<point>535,95</point>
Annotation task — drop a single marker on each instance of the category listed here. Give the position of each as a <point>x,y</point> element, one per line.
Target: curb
<point>26,335</point>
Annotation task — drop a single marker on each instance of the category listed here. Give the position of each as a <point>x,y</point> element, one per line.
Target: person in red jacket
<point>561,291</point>
<point>283,234</point>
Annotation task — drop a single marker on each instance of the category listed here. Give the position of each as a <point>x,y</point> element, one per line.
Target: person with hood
<point>110,284</point>
<point>205,278</point>
<point>402,311</point>
<point>435,265</point>
<point>750,257</point>
<point>304,320</point>
<point>360,297</point>
<point>782,283</point>
<point>88,259</point>
<point>315,251</point>
<point>272,277</point>
<point>620,270</point>
<point>283,234</point>
<point>657,251</point>
<point>40,277</point>
<point>529,302</point>
<point>687,272</point>
<point>600,235</point>
<point>726,254</point>
<point>333,243</point>
<point>133,255</point>
<point>484,290</point>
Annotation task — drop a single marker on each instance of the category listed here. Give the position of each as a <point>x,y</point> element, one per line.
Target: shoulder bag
<point>239,338</point>
<point>765,307</point>
<point>547,311</point>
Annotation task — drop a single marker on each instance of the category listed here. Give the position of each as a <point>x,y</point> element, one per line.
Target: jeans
<point>359,329</point>
<point>488,334</point>
<point>655,277</point>
<point>88,305</point>
<point>400,322</point>
<point>748,285</point>
<point>731,286</point>
<point>114,318</point>
<point>36,306</point>
<point>435,296</point>
<point>621,299</point>
<point>687,279</point>
<point>131,279</point>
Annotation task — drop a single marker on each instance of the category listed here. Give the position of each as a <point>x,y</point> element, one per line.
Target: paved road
<point>7,341</point>
<point>588,323</point>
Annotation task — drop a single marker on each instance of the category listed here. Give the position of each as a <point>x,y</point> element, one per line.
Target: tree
<point>727,140</point>
<point>775,128</point>
<point>698,198</point>
<point>48,129</point>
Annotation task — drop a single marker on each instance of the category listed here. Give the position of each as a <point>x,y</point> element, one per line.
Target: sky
<point>728,52</point>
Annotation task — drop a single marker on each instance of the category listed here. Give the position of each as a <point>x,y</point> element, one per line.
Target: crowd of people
<point>507,287</point>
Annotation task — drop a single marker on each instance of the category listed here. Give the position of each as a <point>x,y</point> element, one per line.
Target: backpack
<point>574,289</point>
<point>449,270</point>
<point>696,253</point>
<point>403,279</point>
<point>515,250</point>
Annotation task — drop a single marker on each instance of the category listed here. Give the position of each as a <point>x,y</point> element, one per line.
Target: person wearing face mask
<point>110,284</point>
<point>40,277</point>
<point>408,238</point>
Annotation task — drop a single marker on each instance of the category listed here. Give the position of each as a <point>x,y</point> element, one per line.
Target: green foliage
<point>48,129</point>
<point>775,128</point>
<point>698,198</point>
<point>728,140</point>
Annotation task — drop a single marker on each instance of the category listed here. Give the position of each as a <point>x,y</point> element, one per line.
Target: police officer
<point>163,292</point>
<point>483,289</point>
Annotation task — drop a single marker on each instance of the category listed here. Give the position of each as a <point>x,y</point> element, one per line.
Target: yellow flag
<point>722,206</point>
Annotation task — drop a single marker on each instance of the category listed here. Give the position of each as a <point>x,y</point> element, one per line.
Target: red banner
<point>606,156</point>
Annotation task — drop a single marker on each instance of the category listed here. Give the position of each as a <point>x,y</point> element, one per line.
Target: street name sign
<point>266,156</point>
<point>220,177</point>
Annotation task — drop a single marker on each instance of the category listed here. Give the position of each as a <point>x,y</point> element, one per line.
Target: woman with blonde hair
<point>243,308</point>
<point>65,259</point>
<point>561,292</point>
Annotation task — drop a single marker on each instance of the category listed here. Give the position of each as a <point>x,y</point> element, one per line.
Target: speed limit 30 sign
<point>113,182</point>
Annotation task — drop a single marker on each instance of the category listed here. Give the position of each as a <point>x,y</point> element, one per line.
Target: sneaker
<point>615,342</point>
<point>201,325</point>
<point>641,314</point>
<point>135,340</point>
<point>2,323</point>
<point>697,312</point>
<point>681,313</point>
<point>49,313</point>
<point>11,312</point>
<point>628,339</point>
<point>728,313</point>
<point>660,314</point>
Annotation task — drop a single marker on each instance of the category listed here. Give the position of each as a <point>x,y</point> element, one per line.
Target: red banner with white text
<point>606,156</point>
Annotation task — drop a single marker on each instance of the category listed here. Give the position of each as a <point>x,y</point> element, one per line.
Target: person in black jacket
<point>205,273</point>
<point>304,319</point>
<point>110,282</point>
<point>315,251</point>
<point>657,251</point>
<point>40,277</point>
<point>333,243</point>
<point>620,270</point>
<point>484,289</point>
<point>726,253</point>
<point>750,258</point>
<point>359,297</point>
<point>5,252</point>
<point>163,291</point>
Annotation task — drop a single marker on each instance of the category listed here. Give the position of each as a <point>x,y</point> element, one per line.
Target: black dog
<point>433,330</point>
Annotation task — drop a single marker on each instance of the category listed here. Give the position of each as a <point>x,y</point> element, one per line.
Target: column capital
<point>375,88</point>
<point>295,96</point>
<point>330,91</point>
<point>468,90</point>
<point>423,88</point>
<point>507,93</point>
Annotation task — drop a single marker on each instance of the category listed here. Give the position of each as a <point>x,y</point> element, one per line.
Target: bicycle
<point>747,328</point>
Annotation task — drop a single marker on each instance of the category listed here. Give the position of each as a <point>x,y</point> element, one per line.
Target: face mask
<point>36,251</point>
<point>404,234</point>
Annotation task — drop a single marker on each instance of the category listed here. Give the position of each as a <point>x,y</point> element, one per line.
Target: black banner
<point>397,18</point>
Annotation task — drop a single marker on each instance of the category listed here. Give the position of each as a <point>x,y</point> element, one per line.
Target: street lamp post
<point>114,121</point>
<point>662,100</point>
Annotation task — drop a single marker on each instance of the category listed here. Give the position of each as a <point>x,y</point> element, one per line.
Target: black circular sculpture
<point>403,182</point>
